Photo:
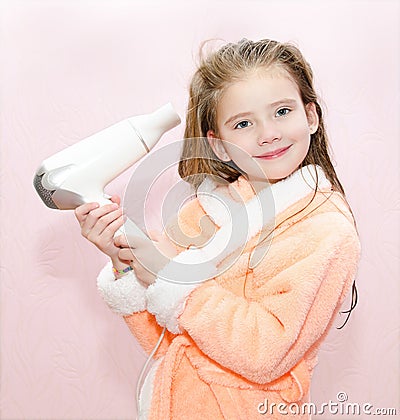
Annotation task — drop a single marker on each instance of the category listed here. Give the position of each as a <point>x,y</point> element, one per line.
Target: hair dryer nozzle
<point>150,125</point>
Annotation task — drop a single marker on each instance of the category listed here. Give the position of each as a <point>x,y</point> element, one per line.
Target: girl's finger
<point>96,225</point>
<point>114,226</point>
<point>120,241</point>
<point>82,211</point>
<point>93,216</point>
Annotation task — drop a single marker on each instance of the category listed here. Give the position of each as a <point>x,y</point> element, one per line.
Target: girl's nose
<point>269,133</point>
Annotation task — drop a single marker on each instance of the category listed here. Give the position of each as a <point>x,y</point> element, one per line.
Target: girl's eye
<point>283,111</point>
<point>242,124</point>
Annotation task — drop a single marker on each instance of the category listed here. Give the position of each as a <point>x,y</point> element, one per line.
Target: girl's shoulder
<point>191,226</point>
<point>320,211</point>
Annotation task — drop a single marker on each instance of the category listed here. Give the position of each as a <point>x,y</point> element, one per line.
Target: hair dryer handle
<point>129,227</point>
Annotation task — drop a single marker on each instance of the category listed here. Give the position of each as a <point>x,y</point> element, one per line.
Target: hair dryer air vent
<point>44,194</point>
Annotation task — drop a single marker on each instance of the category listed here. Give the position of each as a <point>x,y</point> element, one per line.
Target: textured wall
<point>69,69</point>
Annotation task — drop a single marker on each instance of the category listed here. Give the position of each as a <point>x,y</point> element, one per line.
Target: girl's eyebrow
<point>236,116</point>
<point>286,101</point>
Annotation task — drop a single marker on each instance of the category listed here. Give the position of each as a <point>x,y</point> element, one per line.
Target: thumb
<point>116,199</point>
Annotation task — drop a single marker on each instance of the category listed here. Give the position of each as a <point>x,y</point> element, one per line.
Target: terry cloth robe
<point>238,345</point>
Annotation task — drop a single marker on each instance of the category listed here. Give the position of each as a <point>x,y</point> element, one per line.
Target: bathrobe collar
<point>217,202</point>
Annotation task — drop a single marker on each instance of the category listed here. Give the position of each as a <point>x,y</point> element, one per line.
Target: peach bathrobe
<point>236,344</point>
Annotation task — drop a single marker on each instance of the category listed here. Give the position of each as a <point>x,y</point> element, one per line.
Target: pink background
<point>69,69</point>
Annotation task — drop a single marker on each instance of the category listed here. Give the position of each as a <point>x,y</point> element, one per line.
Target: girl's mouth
<point>275,154</point>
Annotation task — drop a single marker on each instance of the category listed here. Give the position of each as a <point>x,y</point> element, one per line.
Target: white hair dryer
<point>79,173</point>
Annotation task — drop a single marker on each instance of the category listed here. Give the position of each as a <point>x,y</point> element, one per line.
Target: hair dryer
<point>79,173</point>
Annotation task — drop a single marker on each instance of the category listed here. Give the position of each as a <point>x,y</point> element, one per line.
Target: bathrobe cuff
<point>166,297</point>
<point>125,295</point>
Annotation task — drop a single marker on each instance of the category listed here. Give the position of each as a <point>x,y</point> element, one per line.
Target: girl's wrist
<point>120,268</point>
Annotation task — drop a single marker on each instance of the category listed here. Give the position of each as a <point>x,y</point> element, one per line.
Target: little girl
<point>241,342</point>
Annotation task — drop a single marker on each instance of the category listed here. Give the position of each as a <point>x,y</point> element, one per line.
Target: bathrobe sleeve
<point>127,296</point>
<point>296,292</point>
<point>123,296</point>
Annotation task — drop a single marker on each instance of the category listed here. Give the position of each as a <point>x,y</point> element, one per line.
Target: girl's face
<point>264,125</point>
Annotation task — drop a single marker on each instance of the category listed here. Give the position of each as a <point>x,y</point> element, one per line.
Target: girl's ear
<point>217,146</point>
<point>312,117</point>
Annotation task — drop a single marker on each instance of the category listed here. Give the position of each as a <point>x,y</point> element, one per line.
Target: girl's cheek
<point>298,128</point>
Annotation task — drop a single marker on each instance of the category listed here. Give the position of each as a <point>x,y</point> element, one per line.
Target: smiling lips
<point>275,154</point>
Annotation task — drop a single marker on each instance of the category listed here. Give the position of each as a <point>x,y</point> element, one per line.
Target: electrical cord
<point>141,376</point>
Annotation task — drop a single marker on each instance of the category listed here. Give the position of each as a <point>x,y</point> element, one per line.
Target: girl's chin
<point>271,177</point>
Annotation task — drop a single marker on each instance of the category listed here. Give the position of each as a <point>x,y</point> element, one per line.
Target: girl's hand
<point>99,224</point>
<point>147,258</point>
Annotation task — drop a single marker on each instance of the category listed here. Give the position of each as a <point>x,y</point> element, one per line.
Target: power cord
<point>140,380</point>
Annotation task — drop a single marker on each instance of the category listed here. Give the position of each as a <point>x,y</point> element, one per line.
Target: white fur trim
<point>167,296</point>
<point>167,301</point>
<point>286,192</point>
<point>125,295</point>
<point>298,185</point>
<point>191,266</point>
<point>215,204</point>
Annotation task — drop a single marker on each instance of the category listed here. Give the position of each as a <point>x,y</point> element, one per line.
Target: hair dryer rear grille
<point>44,194</point>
